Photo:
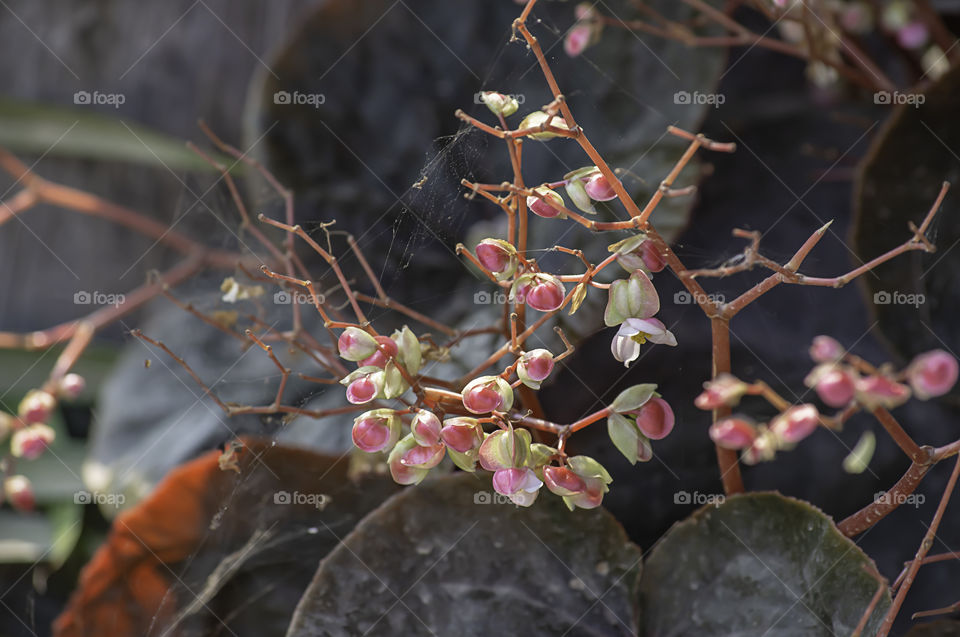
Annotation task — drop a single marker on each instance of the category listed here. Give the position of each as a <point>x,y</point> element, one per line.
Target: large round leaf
<point>757,564</point>
<point>216,551</point>
<point>450,557</point>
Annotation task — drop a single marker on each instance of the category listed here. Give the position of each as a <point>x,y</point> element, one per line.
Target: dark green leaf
<point>757,564</point>
<point>463,562</point>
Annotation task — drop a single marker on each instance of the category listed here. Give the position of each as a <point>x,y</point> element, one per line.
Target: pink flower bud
<point>497,256</point>
<point>534,367</point>
<point>462,434</point>
<point>546,295</point>
<point>376,430</point>
<point>932,374</point>
<point>362,390</point>
<point>725,389</point>
<point>563,481</point>
<point>423,457</point>
<point>796,423</point>
<point>578,39</point>
<point>826,350</point>
<point>355,345</point>
<point>733,433</point>
<point>584,488</point>
<point>599,188</point>
<point>856,17</point>
<point>486,394</point>
<point>655,419</point>
<point>31,441</point>
<point>540,207</point>
<point>36,406</point>
<point>913,36</point>
<point>880,391</point>
<point>835,387</point>
<point>404,455</point>
<point>379,358</point>
<point>426,428</point>
<point>19,493</point>
<point>651,257</point>
<point>520,485</point>
<point>71,386</point>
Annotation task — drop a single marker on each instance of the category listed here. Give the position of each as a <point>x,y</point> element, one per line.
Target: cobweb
<point>410,240</point>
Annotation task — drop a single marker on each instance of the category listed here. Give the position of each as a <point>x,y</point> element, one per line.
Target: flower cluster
<point>30,434</point>
<point>417,439</point>
<point>840,380</point>
<point>473,422</point>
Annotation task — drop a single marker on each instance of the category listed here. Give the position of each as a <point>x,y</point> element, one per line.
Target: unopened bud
<point>363,390</point>
<point>463,437</point>
<point>542,292</point>
<point>426,428</point>
<point>733,433</point>
<point>400,461</point>
<point>880,391</point>
<point>540,207</point>
<point>376,430</point>
<point>655,418</point>
<point>355,345</point>
<point>462,434</point>
<point>486,394</point>
<point>499,104</point>
<point>826,350</point>
<point>31,441</point>
<point>534,367</point>
<point>380,357</point>
<point>834,384</point>
<point>19,493</point>
<point>932,374</point>
<point>599,188</point>
<point>71,386</point>
<point>725,389</point>
<point>796,423</point>
<point>498,256</point>
<point>593,477</point>
<point>37,406</point>
<point>537,119</point>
